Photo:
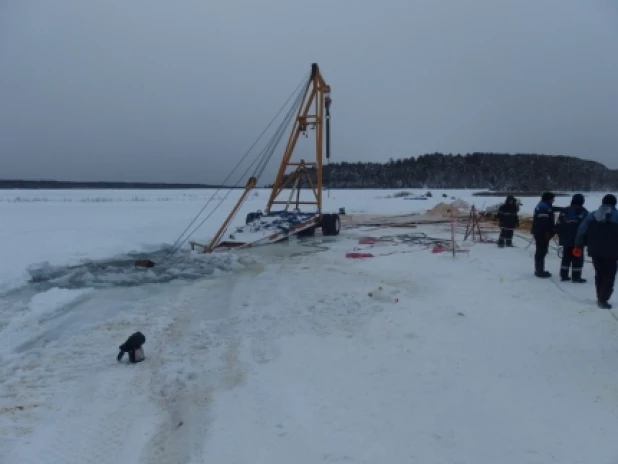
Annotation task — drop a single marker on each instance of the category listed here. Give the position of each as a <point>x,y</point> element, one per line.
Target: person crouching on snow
<point>133,346</point>
<point>508,220</point>
<point>569,220</point>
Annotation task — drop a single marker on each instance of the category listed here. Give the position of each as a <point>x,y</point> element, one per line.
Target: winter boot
<point>577,278</point>
<point>564,275</point>
<point>539,266</point>
<point>543,274</point>
<point>500,243</point>
<point>604,305</point>
<point>509,243</point>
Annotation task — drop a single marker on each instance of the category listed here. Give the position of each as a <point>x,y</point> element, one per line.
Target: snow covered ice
<point>279,354</point>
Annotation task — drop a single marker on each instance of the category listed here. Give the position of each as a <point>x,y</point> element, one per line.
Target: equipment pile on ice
<point>270,228</point>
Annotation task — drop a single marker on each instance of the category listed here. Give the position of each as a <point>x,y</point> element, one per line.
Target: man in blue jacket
<point>599,232</point>
<point>569,220</point>
<point>543,229</point>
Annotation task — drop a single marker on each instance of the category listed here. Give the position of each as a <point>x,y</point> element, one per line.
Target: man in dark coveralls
<point>508,220</point>
<point>543,229</point>
<point>569,220</point>
<point>599,232</point>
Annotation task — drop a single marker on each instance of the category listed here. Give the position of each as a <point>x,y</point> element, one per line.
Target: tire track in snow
<point>273,419</point>
<point>157,411</point>
<point>85,432</point>
<point>106,418</point>
<point>183,385</point>
<point>184,409</point>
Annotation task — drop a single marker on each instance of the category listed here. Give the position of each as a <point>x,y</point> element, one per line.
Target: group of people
<point>576,228</point>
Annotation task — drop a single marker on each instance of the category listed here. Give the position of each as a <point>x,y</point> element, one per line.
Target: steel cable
<point>266,154</point>
<point>180,241</point>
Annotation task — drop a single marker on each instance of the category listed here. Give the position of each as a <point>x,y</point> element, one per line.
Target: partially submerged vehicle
<point>312,107</point>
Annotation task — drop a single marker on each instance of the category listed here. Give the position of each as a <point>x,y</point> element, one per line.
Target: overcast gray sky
<point>177,91</point>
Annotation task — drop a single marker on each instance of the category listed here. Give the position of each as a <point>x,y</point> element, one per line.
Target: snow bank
<point>32,320</point>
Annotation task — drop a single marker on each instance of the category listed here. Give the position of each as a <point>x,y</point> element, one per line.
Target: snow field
<point>282,356</point>
<point>448,374</point>
<point>66,227</point>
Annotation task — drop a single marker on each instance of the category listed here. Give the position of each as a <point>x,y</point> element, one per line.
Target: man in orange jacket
<point>569,220</point>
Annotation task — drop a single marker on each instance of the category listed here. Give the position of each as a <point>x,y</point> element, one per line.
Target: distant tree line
<point>493,171</point>
<point>55,184</point>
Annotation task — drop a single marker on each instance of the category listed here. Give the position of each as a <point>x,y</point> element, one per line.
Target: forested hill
<point>495,171</point>
<point>518,172</point>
